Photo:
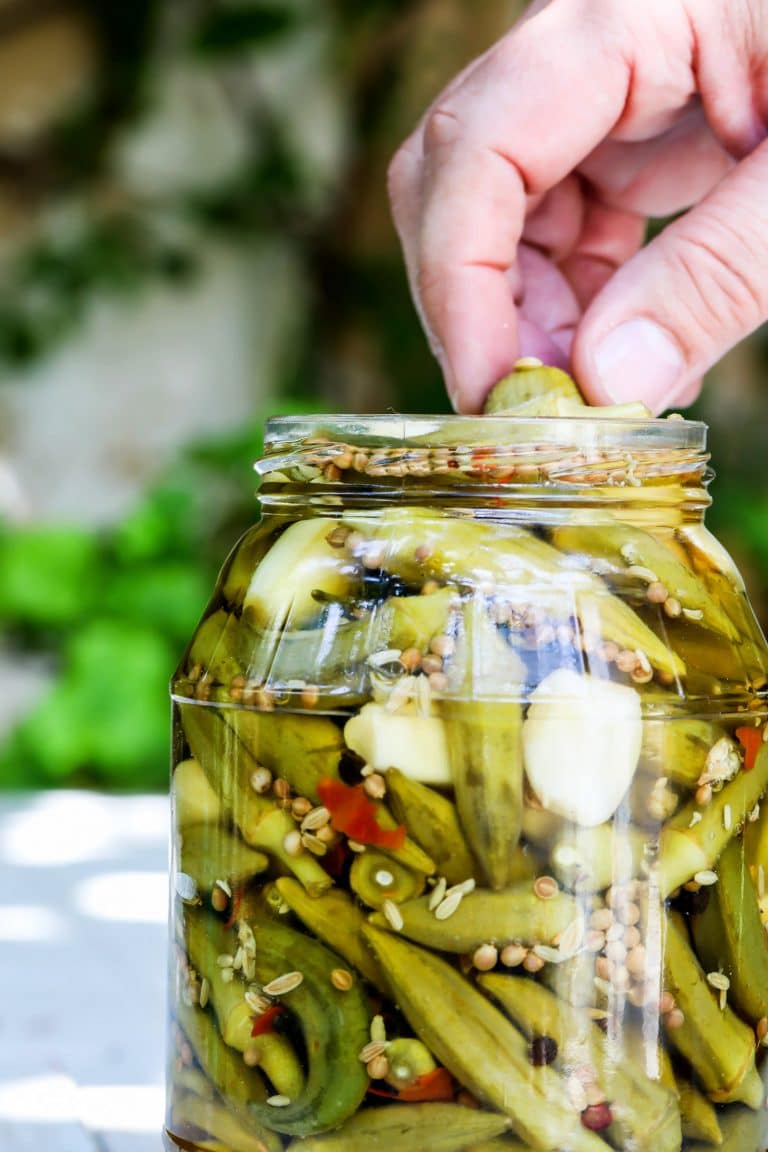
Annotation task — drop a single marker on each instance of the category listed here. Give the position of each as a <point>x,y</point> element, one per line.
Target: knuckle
<point>718,263</point>
<point>442,127</point>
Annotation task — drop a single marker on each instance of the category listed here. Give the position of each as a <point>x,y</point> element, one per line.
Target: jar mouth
<point>671,432</point>
<point>577,456</point>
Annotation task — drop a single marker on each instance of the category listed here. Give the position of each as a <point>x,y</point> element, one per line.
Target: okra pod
<point>226,1127</point>
<point>642,1109</point>
<point>729,936</point>
<point>516,915</point>
<point>627,548</point>
<point>209,853</point>
<point>692,841</point>
<point>338,921</point>
<point>719,1047</point>
<point>229,766</point>
<point>432,821</point>
<point>409,1128</point>
<point>479,1046</point>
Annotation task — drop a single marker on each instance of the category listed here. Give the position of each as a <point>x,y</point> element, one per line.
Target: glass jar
<point>468,760</point>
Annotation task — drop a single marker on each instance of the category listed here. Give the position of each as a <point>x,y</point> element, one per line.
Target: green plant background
<point>110,610</point>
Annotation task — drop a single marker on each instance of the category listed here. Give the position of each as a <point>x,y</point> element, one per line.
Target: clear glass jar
<point>468,762</point>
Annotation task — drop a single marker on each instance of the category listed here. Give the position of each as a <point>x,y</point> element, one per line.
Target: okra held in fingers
<point>479,1046</point>
<point>719,1047</point>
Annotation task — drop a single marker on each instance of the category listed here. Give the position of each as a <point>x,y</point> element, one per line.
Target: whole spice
<point>542,1050</point>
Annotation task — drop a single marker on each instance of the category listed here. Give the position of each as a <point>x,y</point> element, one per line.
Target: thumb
<point>678,305</point>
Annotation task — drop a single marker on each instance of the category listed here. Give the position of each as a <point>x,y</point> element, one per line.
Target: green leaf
<point>106,720</point>
<point>48,576</point>
<point>168,596</point>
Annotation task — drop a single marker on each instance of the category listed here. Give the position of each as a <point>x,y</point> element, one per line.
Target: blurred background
<point>193,234</point>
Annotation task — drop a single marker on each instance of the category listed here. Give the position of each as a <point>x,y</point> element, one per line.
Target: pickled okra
<point>469,846</point>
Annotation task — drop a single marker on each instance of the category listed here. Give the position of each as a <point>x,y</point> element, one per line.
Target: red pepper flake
<point>434,1085</point>
<point>266,1021</point>
<point>237,900</point>
<point>354,814</point>
<point>335,859</point>
<point>751,740</point>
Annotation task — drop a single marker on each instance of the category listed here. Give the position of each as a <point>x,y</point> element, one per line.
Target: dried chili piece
<point>751,740</point>
<point>266,1021</point>
<point>354,814</point>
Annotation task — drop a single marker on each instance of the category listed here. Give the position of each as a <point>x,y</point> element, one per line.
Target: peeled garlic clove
<point>581,744</point>
<point>417,745</point>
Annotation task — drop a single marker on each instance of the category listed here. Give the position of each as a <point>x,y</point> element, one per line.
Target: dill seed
<point>371,1051</point>
<point>438,892</point>
<point>315,818</point>
<point>706,877</point>
<point>279,1101</point>
<point>283,984</point>
<point>448,906</point>
<point>727,818</point>
<point>205,989</point>
<point>719,981</point>
<point>393,915</point>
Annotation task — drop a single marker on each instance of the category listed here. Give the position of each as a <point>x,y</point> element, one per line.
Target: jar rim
<point>673,433</point>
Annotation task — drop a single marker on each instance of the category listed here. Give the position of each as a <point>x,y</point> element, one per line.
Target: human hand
<point>522,198</point>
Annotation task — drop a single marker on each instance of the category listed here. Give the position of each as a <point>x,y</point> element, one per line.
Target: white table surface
<point>83,913</point>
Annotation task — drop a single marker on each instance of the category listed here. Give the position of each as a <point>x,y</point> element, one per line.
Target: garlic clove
<point>581,744</point>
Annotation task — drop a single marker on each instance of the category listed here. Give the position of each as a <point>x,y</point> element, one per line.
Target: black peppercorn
<point>542,1050</point>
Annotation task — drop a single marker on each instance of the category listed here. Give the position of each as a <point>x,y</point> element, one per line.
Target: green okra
<point>698,1115</point>
<point>729,936</point>
<point>239,567</point>
<point>643,1109</point>
<point>209,853</point>
<point>590,859</point>
<point>516,915</point>
<point>194,800</point>
<point>644,1050</point>
<point>573,980</point>
<point>743,1131</point>
<point>479,1046</point>
<point>335,1026</point>
<point>485,749</point>
<point>277,1059</point>
<point>420,544</point>
<point>224,1067</point>
<point>301,749</point>
<point>338,921</point>
<point>229,765</point>
<point>694,838</point>
<point>375,878</point>
<point>300,564</point>
<point>414,620</point>
<point>433,823</point>
<point>624,546</point>
<point>678,748</point>
<point>220,647</point>
<point>532,391</point>
<point>226,1127</point>
<point>440,1127</point>
<point>719,1047</point>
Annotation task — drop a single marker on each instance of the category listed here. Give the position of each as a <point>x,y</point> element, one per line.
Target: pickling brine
<point>469,760</point>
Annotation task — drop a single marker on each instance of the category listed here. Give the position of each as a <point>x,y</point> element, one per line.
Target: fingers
<point>684,300</point>
<point>486,146</point>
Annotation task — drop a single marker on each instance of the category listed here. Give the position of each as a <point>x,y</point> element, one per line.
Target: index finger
<point>518,124</point>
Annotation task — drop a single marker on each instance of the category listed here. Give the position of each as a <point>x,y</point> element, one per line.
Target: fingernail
<point>639,360</point>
